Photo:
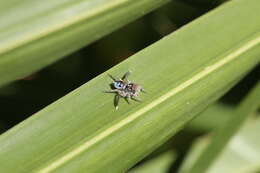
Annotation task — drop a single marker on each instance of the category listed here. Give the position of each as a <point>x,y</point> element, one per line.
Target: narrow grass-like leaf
<point>34,34</point>
<point>243,153</point>
<point>161,163</point>
<point>225,133</point>
<point>83,132</point>
<point>214,116</point>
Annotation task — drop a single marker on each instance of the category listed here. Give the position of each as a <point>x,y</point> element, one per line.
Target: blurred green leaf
<point>182,73</point>
<point>240,155</point>
<point>35,34</point>
<point>243,153</point>
<point>214,116</point>
<point>159,164</point>
<point>223,134</point>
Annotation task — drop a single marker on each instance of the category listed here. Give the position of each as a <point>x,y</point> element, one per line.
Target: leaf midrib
<point>102,135</point>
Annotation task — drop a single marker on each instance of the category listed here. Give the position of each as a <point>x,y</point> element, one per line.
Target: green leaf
<point>35,34</point>
<point>161,163</point>
<point>224,134</point>
<point>242,154</point>
<point>182,73</point>
<point>214,116</point>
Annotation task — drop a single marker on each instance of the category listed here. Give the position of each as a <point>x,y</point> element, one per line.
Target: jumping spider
<point>124,88</point>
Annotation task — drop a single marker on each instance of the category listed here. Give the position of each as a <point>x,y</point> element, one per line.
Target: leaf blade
<point>52,30</point>
<point>177,90</point>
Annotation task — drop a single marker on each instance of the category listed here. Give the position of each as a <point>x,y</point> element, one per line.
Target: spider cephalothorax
<point>124,88</point>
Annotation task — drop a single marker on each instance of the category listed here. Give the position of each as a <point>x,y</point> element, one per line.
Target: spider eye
<point>118,84</point>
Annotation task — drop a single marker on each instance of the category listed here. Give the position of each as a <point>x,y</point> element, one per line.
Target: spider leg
<point>143,90</point>
<point>135,98</point>
<point>114,79</point>
<point>125,77</point>
<point>111,91</point>
<point>127,99</point>
<point>116,101</point>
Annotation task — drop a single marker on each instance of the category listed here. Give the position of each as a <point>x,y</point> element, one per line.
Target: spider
<point>124,88</point>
